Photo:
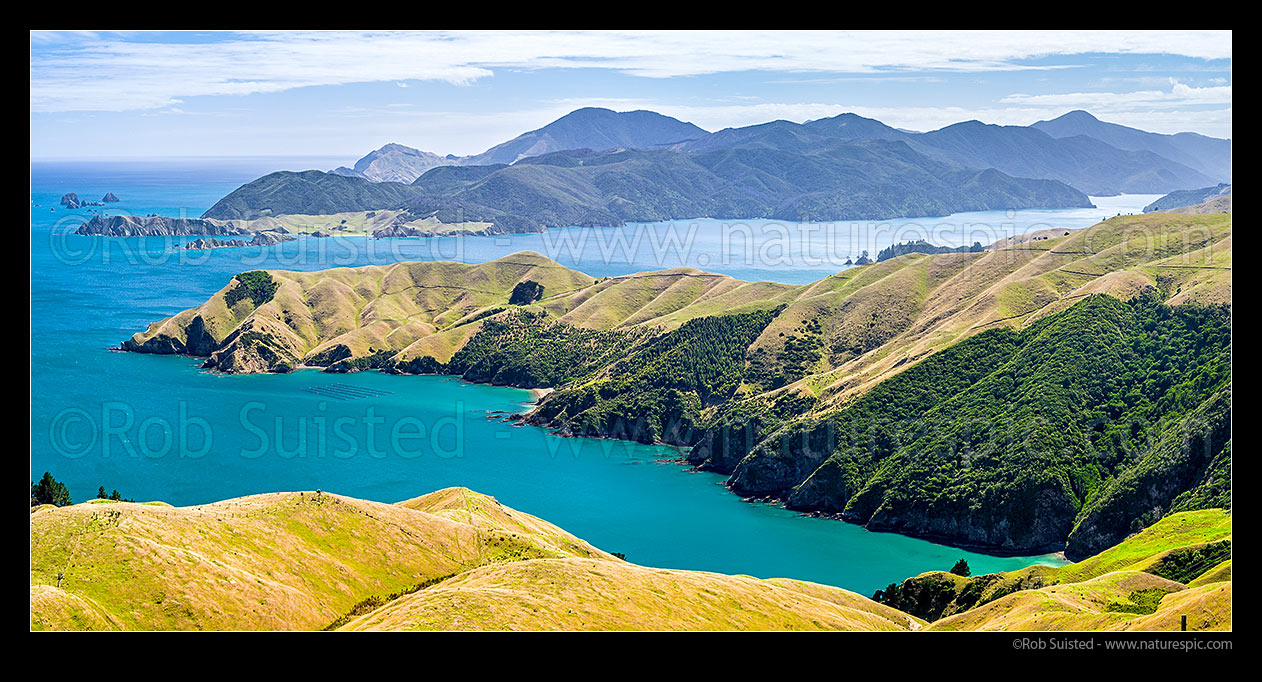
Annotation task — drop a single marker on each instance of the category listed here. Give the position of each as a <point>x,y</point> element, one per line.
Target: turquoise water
<point>159,428</point>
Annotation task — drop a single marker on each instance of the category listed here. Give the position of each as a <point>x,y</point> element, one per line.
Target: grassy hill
<point>1079,383</point>
<point>282,560</point>
<point>379,223</point>
<point>1179,565</point>
<point>312,560</point>
<point>458,560</point>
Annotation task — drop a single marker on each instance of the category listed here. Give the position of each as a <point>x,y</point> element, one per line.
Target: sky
<point>143,94</point>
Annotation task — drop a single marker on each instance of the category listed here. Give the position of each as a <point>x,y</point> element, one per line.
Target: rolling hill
<point>454,560</point>
<point>1180,565</point>
<point>307,192</point>
<point>459,560</point>
<point>605,168</point>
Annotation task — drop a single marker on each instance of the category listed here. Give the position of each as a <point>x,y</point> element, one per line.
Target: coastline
<point>539,393</point>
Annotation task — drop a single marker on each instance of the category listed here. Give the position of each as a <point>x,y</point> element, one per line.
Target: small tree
<point>49,491</point>
<point>100,493</point>
<point>961,568</point>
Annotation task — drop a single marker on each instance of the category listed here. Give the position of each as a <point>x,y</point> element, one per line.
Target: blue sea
<point>160,428</point>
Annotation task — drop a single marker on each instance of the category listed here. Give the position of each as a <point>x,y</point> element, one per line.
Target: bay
<point>160,428</point>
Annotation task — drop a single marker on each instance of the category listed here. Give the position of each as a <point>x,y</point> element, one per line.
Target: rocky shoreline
<point>260,239</point>
<point>157,226</point>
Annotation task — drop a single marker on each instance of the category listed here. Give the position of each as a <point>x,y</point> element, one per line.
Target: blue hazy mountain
<point>1083,162</point>
<point>591,128</point>
<point>1209,155</point>
<point>1077,149</point>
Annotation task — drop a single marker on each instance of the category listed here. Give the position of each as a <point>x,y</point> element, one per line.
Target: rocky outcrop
<point>398,230</point>
<point>1040,528</point>
<point>260,239</point>
<point>72,201</point>
<point>212,243</point>
<point>255,348</point>
<point>196,341</point>
<point>156,226</point>
<point>271,238</point>
<point>110,198</point>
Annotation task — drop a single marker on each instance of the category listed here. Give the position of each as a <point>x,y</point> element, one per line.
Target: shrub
<point>526,292</point>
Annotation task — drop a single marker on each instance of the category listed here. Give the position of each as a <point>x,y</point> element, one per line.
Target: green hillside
<point>1185,556</point>
<point>1019,441</point>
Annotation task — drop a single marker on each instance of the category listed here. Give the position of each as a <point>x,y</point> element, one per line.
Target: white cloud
<point>1179,95</point>
<point>109,72</point>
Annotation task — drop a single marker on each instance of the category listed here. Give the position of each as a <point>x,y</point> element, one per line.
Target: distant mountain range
<point>600,167</point>
<point>1208,155</point>
<point>865,179</point>
<point>1078,149</point>
<point>1082,162</point>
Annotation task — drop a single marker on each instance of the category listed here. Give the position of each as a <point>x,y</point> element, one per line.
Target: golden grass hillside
<point>459,560</point>
<point>274,561</point>
<point>1180,562</point>
<point>1124,600</point>
<point>302,561</point>
<point>589,594</point>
